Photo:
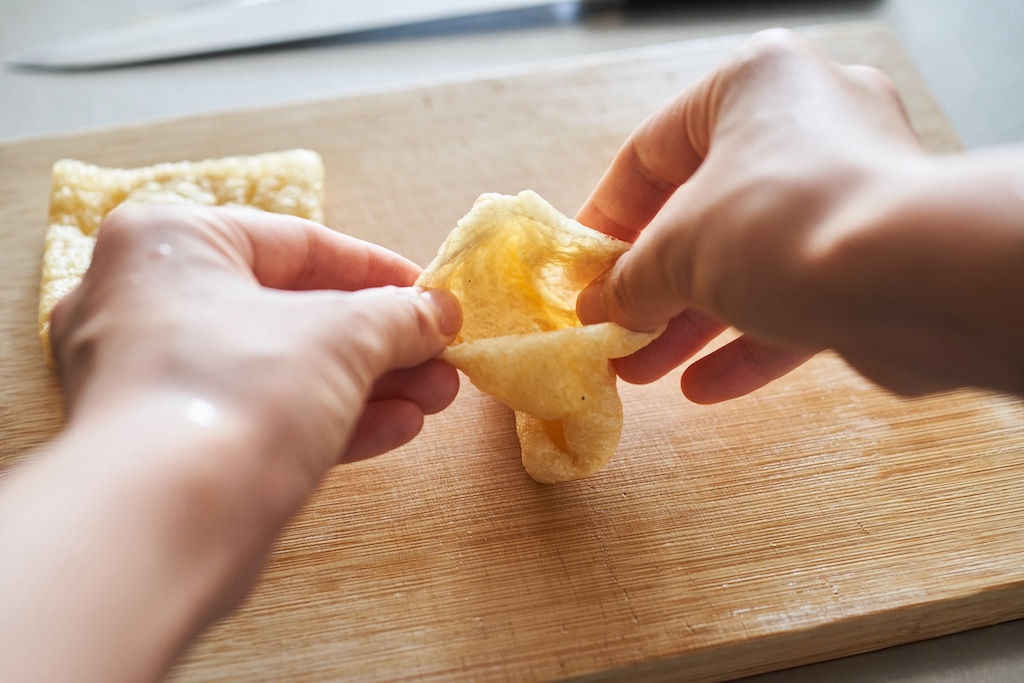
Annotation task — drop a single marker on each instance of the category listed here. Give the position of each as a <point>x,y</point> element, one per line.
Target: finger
<point>65,316</point>
<point>653,281</point>
<point>293,253</point>
<point>280,251</point>
<point>887,110</point>
<point>738,368</point>
<point>388,328</point>
<point>432,386</point>
<point>685,335</point>
<point>383,426</point>
<point>660,155</point>
<point>589,302</point>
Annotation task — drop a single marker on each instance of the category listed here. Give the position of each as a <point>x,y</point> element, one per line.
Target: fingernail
<point>589,303</point>
<point>449,311</point>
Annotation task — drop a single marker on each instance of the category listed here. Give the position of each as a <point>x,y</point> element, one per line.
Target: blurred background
<point>970,52</point>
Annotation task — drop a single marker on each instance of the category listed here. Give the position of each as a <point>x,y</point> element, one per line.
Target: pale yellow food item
<point>517,265</point>
<point>288,182</point>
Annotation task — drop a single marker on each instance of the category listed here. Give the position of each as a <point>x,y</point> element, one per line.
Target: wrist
<point>193,449</point>
<point>164,508</point>
<point>923,273</point>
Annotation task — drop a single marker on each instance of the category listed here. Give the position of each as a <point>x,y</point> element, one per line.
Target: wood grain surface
<point>816,518</point>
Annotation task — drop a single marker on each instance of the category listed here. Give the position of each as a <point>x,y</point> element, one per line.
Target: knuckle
<point>765,63</point>
<point>758,360</point>
<point>771,46</point>
<point>119,225</point>
<point>649,286</point>
<point>622,295</point>
<point>125,229</point>
<point>875,80</point>
<point>871,76</point>
<point>388,336</point>
<point>419,321</point>
<point>883,85</point>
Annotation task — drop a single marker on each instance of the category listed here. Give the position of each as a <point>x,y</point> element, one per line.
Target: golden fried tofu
<point>288,182</point>
<point>517,265</point>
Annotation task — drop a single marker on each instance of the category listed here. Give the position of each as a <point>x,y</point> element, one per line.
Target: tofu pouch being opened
<point>517,265</point>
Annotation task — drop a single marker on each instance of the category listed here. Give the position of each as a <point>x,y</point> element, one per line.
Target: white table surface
<point>970,53</point>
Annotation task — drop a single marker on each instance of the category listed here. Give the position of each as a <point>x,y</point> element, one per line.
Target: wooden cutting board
<point>816,518</point>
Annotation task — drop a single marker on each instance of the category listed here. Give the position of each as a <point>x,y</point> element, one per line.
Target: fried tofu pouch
<point>517,265</point>
<point>290,182</point>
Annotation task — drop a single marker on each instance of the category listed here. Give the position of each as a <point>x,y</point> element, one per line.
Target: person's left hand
<point>216,363</point>
<point>313,337</point>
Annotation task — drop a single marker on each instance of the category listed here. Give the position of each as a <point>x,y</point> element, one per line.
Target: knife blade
<point>228,25</point>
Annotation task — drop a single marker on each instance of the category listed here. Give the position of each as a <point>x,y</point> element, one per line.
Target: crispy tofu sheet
<point>517,265</point>
<point>290,182</point>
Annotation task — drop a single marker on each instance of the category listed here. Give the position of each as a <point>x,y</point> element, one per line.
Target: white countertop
<point>970,53</point>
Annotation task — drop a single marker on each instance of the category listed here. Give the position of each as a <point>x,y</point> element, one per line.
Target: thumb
<point>399,327</point>
<point>650,283</point>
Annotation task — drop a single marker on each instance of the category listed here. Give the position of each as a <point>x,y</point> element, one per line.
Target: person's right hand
<point>735,194</point>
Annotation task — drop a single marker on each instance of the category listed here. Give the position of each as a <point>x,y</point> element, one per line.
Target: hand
<point>735,193</point>
<point>313,336</point>
<point>216,363</point>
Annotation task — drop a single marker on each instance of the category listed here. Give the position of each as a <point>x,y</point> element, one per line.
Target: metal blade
<point>238,24</point>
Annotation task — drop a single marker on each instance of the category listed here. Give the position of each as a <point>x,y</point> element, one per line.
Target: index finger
<point>659,156</point>
<point>286,252</point>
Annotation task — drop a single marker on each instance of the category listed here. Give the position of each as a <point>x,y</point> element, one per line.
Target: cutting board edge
<point>828,641</point>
